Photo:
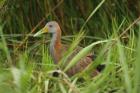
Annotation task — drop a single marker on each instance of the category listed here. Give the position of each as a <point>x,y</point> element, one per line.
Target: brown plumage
<point>57,49</point>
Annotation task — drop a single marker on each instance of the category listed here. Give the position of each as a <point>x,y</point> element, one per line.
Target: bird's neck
<point>55,46</point>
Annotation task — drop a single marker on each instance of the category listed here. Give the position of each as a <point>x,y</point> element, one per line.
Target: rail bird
<point>57,49</point>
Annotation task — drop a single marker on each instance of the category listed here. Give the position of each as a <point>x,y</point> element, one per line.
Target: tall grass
<point>33,71</point>
<point>110,32</point>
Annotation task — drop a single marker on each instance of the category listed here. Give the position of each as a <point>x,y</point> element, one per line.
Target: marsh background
<point>24,60</point>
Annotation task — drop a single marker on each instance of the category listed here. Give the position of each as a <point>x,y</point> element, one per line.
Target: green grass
<point>107,27</point>
<point>32,71</point>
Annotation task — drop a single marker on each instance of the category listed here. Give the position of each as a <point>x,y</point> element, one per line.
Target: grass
<point>32,70</point>
<point>113,35</point>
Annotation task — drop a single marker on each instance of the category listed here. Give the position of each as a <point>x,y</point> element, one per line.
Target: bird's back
<point>81,65</point>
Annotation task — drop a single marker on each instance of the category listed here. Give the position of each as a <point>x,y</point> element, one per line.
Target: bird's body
<point>57,49</point>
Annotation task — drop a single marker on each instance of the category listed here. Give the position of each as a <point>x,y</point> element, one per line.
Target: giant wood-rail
<point>57,49</point>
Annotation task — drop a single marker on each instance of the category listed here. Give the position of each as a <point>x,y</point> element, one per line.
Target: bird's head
<point>50,27</point>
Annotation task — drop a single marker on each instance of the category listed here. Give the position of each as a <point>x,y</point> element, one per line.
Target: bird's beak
<point>43,30</point>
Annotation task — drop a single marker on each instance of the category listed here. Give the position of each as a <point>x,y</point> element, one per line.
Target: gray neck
<point>53,40</point>
<point>52,48</point>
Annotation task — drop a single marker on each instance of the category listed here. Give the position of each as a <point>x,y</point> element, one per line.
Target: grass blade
<point>83,53</point>
<point>124,68</point>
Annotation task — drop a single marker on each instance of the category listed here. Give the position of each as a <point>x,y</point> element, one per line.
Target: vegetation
<point>108,27</point>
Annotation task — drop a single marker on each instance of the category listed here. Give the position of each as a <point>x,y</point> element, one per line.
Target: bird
<point>57,49</point>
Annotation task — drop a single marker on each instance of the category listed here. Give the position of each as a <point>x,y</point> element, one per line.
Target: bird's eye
<point>50,26</point>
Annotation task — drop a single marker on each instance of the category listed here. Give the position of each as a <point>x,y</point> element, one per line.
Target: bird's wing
<point>82,64</point>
